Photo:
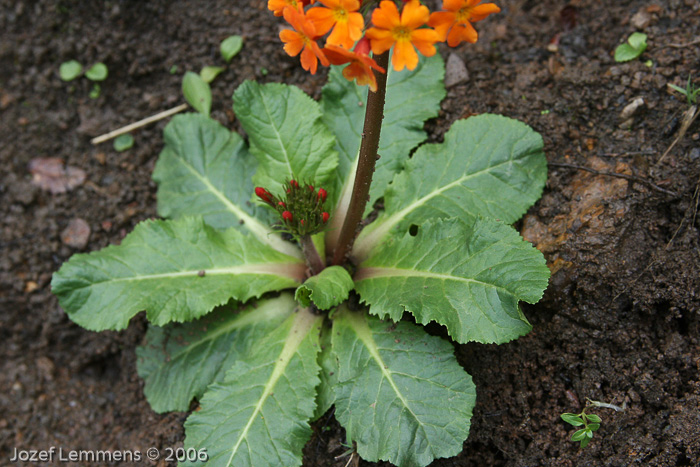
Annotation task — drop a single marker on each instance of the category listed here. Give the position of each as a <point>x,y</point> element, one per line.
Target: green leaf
<point>70,70</point>
<point>489,165</point>
<point>230,47</point>
<point>178,361</point>
<point>411,98</point>
<point>197,92</point>
<point>95,91</point>
<point>259,415</point>
<point>593,418</point>
<point>636,44</point>
<point>401,395</point>
<point>286,134</point>
<point>209,73</point>
<point>123,142</point>
<point>325,392</point>
<point>327,289</point>
<point>579,435</point>
<point>97,72</point>
<point>467,276</point>
<point>175,270</point>
<point>206,170</point>
<point>585,441</point>
<point>572,419</point>
<point>593,427</point>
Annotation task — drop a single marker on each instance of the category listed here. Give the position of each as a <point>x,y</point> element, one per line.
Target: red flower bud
<point>281,203</point>
<point>301,222</point>
<point>325,216</point>
<point>322,195</point>
<point>311,187</point>
<point>287,216</point>
<point>263,194</point>
<point>294,183</point>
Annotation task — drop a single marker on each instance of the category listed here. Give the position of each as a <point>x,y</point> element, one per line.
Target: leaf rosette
<point>216,278</point>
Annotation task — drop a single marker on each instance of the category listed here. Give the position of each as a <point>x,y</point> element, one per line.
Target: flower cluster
<point>301,210</point>
<point>414,27</point>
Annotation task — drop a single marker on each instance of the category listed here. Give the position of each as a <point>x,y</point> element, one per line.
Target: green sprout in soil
<point>589,422</point>
<point>123,142</point>
<point>633,48</point>
<point>230,47</point>
<point>272,299</point>
<point>72,69</point>
<point>690,92</point>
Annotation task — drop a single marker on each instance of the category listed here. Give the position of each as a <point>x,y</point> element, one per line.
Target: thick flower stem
<point>313,259</point>
<point>374,114</point>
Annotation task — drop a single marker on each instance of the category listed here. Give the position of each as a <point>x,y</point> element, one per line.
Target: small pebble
<point>455,71</point>
<point>77,233</point>
<point>631,108</point>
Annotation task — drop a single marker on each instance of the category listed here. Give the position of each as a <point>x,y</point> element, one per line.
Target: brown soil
<point>621,318</point>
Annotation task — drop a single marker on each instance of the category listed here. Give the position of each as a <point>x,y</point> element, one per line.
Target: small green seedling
<point>209,73</point>
<point>690,92</point>
<point>589,422</point>
<point>633,48</point>
<point>230,47</point>
<point>123,142</point>
<point>72,69</point>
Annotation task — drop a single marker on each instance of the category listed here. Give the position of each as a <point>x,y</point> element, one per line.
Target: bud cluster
<point>301,210</point>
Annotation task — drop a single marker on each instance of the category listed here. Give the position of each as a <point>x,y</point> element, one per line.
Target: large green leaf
<point>206,170</point>
<point>401,395</point>
<point>411,98</point>
<point>179,361</point>
<point>327,289</point>
<point>286,134</point>
<point>489,165</point>
<point>259,415</point>
<point>175,270</point>
<point>467,276</point>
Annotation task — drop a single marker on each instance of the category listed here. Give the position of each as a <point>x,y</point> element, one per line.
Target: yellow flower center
<point>464,14</point>
<point>401,33</point>
<point>340,14</point>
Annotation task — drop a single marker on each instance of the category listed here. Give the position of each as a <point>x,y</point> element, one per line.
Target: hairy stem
<point>374,114</point>
<point>313,259</point>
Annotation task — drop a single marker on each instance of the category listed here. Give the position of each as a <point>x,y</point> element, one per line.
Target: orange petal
<point>424,40</point>
<point>319,53</point>
<point>452,5</point>
<point>340,36</point>
<point>463,32</point>
<point>386,16</point>
<point>442,21</point>
<point>322,19</point>
<point>405,56</point>
<point>482,11</point>
<point>309,61</point>
<point>380,39</point>
<point>356,23</point>
<point>414,15</point>
<point>293,43</point>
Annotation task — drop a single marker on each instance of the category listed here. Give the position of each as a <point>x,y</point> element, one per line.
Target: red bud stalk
<point>374,114</point>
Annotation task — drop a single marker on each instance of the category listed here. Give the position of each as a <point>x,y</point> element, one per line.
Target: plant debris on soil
<point>620,322</point>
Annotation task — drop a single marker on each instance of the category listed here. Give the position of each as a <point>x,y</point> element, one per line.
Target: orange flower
<point>342,17</point>
<point>301,39</point>
<point>401,32</point>
<point>277,6</point>
<point>455,23</point>
<point>361,65</point>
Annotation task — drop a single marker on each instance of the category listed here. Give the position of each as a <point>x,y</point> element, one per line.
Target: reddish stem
<point>374,114</point>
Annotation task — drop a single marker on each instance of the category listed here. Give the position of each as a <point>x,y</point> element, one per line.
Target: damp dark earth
<point>618,222</point>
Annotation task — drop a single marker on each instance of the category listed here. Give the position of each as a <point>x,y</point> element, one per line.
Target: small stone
<point>641,19</point>
<point>30,287</point>
<point>631,108</point>
<point>455,71</point>
<point>77,233</point>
